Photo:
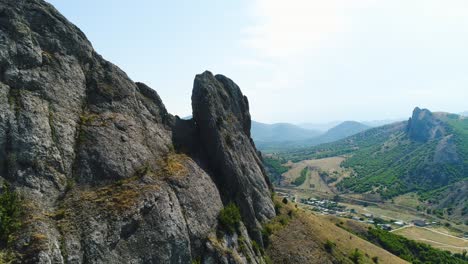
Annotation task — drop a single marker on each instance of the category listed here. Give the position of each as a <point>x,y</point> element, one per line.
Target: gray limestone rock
<point>221,115</point>
<point>105,173</point>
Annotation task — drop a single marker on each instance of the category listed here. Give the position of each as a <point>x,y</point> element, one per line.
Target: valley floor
<point>399,213</point>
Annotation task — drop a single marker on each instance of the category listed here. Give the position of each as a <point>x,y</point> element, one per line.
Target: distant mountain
<point>377,123</point>
<point>345,129</point>
<point>329,125</point>
<point>427,154</point>
<point>337,132</point>
<point>280,132</point>
<point>464,113</point>
<point>319,126</point>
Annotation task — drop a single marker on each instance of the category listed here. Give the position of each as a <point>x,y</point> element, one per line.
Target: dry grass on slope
<point>308,238</point>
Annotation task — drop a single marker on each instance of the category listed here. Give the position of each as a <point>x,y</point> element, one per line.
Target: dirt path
<point>400,228</point>
<point>440,243</point>
<point>438,232</point>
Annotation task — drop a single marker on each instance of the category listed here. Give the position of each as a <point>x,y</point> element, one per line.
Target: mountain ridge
<point>342,130</point>
<point>278,132</point>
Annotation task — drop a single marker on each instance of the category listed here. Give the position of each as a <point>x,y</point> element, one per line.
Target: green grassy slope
<point>348,145</point>
<point>398,164</point>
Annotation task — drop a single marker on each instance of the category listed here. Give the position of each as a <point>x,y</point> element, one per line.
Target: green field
<point>434,238</point>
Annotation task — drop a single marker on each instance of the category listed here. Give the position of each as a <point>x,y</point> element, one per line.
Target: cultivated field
<point>434,238</point>
<point>408,200</point>
<point>314,181</point>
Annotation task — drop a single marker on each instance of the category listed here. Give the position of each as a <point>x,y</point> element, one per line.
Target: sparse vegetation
<point>229,218</point>
<point>329,246</point>
<point>53,130</point>
<point>315,233</point>
<point>228,139</point>
<point>278,206</point>
<point>7,257</point>
<point>257,248</point>
<point>267,260</point>
<point>87,119</point>
<point>114,197</point>
<point>410,250</point>
<point>10,212</point>
<point>69,185</point>
<point>196,261</point>
<point>173,165</point>
<point>276,224</point>
<point>275,168</point>
<point>356,256</point>
<point>14,99</point>
<point>302,177</point>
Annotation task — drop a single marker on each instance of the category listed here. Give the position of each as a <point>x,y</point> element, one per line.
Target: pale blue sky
<point>296,60</point>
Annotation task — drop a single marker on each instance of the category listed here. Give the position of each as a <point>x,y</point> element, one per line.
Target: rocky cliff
<point>105,174</point>
<point>424,126</point>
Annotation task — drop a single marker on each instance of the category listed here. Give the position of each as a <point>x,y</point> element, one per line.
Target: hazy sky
<point>296,60</point>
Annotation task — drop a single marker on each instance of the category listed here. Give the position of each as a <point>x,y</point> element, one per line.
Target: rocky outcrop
<point>446,151</point>
<point>221,115</point>
<point>105,173</point>
<point>424,126</point>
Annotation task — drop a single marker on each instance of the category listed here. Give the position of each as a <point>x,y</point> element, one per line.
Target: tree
<point>230,218</point>
<point>329,246</point>
<point>337,198</point>
<point>356,256</point>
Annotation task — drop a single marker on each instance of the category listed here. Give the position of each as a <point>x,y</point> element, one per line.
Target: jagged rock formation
<point>424,126</point>
<point>221,113</point>
<point>107,175</point>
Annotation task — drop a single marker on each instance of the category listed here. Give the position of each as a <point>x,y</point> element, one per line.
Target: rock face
<point>221,113</point>
<point>424,126</point>
<point>444,165</point>
<point>105,173</point>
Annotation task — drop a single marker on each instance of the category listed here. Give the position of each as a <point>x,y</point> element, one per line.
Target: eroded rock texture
<point>221,113</point>
<point>424,126</point>
<point>107,175</point>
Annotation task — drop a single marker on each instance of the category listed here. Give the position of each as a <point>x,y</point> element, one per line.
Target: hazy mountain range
<point>282,136</point>
<point>279,132</point>
<point>328,125</point>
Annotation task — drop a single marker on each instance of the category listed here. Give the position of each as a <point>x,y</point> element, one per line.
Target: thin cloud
<point>289,28</point>
<point>354,55</point>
